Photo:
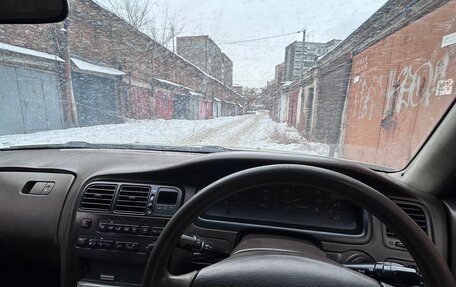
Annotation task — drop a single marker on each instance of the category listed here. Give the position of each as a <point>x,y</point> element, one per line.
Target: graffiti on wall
<point>405,88</point>
<point>368,87</point>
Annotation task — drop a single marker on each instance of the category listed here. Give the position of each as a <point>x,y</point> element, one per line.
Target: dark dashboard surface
<point>343,231</point>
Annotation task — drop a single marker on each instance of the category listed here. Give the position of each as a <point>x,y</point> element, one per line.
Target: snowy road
<point>239,132</point>
<point>253,132</point>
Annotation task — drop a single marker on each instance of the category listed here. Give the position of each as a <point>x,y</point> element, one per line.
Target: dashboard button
<point>86,222</point>
<point>102,226</point>
<point>134,229</point>
<point>145,230</point>
<point>81,241</point>
<point>109,244</point>
<point>156,231</point>
<point>110,228</point>
<point>118,228</point>
<point>126,229</point>
<point>119,245</point>
<point>131,246</point>
<point>105,244</point>
<point>92,243</point>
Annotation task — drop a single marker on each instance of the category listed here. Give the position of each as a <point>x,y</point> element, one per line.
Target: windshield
<point>360,80</point>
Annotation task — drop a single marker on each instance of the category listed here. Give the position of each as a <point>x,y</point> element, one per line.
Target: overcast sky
<point>234,20</point>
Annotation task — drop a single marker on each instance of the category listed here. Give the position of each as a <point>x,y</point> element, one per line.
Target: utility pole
<point>172,34</point>
<point>302,54</point>
<point>70,106</point>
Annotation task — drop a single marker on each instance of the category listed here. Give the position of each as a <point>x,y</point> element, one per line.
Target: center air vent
<point>132,199</point>
<point>416,213</point>
<point>98,197</point>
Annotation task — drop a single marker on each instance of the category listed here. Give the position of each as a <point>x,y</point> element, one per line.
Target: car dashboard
<point>98,212</point>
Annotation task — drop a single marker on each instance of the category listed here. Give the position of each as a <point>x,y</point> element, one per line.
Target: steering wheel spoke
<point>184,280</point>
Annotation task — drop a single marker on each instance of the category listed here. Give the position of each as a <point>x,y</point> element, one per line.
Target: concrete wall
<point>194,49</point>
<point>203,52</point>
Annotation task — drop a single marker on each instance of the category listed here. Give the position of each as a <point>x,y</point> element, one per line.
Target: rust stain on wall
<point>399,89</point>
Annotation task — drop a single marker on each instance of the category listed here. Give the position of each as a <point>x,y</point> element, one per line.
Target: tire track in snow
<point>228,135</point>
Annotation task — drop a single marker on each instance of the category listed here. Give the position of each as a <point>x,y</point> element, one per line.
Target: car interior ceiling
<point>52,233</point>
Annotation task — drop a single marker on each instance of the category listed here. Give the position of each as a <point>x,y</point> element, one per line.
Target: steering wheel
<point>276,269</point>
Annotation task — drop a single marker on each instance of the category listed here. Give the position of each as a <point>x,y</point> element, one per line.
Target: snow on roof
<point>287,83</point>
<point>173,84</point>
<point>196,94</point>
<point>30,52</point>
<point>206,74</point>
<point>228,102</point>
<point>329,51</point>
<point>96,68</point>
<point>217,99</point>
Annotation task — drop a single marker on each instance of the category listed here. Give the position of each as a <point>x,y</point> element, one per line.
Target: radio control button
<point>92,243</point>
<point>156,231</point>
<point>145,230</point>
<point>81,241</point>
<point>131,246</point>
<point>134,229</point>
<point>102,226</point>
<point>119,245</point>
<point>105,244</point>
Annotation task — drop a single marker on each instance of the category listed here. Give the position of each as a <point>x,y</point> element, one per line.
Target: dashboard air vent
<point>132,199</point>
<point>416,213</point>
<point>98,197</point>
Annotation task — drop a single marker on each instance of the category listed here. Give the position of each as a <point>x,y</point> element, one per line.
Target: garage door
<point>30,101</point>
<point>181,106</point>
<point>95,99</point>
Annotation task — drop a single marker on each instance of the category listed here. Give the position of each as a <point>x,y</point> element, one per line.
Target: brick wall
<point>42,37</point>
<point>397,93</point>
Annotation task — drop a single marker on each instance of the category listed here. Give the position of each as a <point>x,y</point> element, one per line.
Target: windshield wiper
<point>87,145</point>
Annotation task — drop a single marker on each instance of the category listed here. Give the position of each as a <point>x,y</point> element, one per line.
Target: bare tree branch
<point>151,18</point>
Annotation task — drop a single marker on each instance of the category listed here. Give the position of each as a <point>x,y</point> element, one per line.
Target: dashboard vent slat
<point>132,199</point>
<point>416,213</point>
<point>98,197</point>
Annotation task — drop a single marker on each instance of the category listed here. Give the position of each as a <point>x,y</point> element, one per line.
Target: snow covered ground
<point>253,132</point>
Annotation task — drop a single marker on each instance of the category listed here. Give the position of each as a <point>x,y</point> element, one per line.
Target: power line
<point>259,39</point>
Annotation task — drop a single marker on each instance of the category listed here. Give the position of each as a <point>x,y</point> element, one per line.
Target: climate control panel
<point>129,228</point>
<point>117,235</point>
<point>123,217</point>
